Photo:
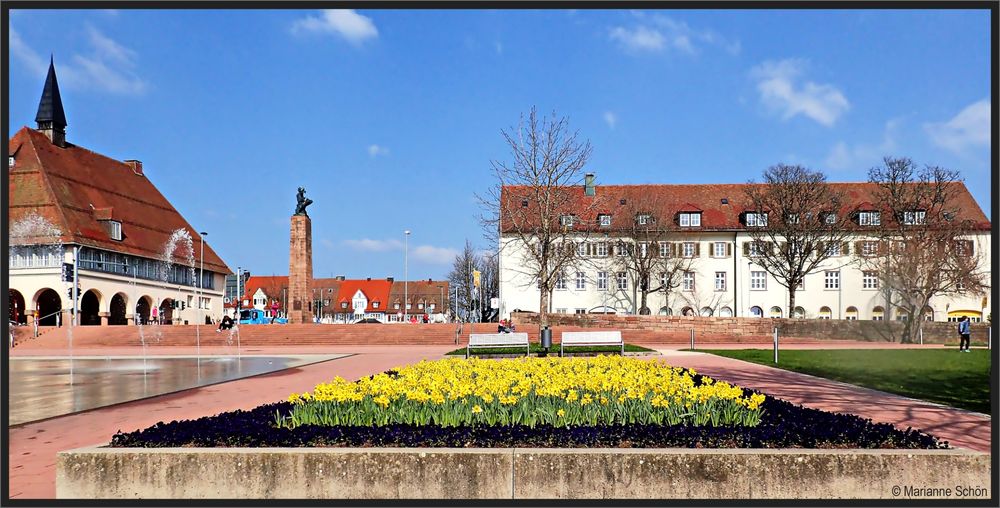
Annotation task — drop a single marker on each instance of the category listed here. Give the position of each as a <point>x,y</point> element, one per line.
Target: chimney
<point>341,277</point>
<point>135,165</point>
<point>588,184</point>
<point>368,279</point>
<point>390,279</point>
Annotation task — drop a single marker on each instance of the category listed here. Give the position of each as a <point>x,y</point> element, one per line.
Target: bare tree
<point>646,249</point>
<point>489,268</point>
<point>460,280</point>
<point>924,246</point>
<point>533,203</point>
<point>795,223</point>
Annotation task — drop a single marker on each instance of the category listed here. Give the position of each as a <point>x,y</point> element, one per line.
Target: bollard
<point>692,339</point>
<point>921,336</point>
<point>775,344</point>
<point>989,338</point>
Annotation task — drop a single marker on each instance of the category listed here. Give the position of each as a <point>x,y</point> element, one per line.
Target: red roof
<point>75,188</point>
<point>374,291</point>
<point>664,201</point>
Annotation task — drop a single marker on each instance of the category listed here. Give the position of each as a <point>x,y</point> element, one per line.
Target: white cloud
<point>781,90</point>
<point>861,155</point>
<point>659,32</point>
<point>346,23</point>
<point>376,150</point>
<point>640,38</point>
<point>611,119</point>
<point>498,47</point>
<point>434,255</point>
<point>326,242</point>
<point>109,67</point>
<point>970,127</point>
<point>423,253</point>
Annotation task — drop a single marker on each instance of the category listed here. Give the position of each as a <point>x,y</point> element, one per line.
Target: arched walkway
<point>166,311</point>
<point>48,304</point>
<point>118,316</point>
<point>90,305</point>
<point>15,312</point>
<point>142,308</point>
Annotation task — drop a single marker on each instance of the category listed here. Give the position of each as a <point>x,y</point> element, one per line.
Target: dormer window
<point>375,305</point>
<point>690,219</point>
<point>567,220</point>
<point>829,218</point>
<point>114,229</point>
<point>756,219</point>
<point>524,203</point>
<point>914,217</point>
<point>644,218</point>
<point>604,220</point>
<point>343,305</point>
<point>869,218</point>
<point>10,162</point>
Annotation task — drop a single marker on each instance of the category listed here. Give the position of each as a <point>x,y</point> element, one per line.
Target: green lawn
<point>945,376</point>
<point>537,348</point>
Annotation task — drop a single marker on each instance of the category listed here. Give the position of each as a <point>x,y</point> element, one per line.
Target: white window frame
<point>869,218</point>
<point>869,248</point>
<point>602,281</point>
<point>833,249</point>
<point>755,248</point>
<point>756,219</point>
<point>684,249</point>
<point>567,220</point>
<point>581,249</point>
<point>643,249</point>
<point>914,217</point>
<point>642,219</point>
<point>831,280</point>
<point>581,281</point>
<point>560,281</point>
<point>688,281</point>
<point>684,220</point>
<point>10,161</point>
<point>115,230</point>
<point>719,249</point>
<point>758,280</point>
<point>664,248</point>
<point>690,219</point>
<point>869,280</point>
<point>604,220</point>
<point>601,249</point>
<point>622,279</point>
<point>720,281</point>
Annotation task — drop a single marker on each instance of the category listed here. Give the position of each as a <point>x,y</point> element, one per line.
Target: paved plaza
<point>33,446</point>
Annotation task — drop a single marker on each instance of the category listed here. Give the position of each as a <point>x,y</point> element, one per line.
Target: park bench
<point>606,338</point>
<point>483,340</point>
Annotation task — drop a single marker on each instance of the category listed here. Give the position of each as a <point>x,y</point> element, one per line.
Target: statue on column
<point>303,202</point>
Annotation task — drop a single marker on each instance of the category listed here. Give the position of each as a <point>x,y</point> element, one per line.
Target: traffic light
<point>68,270</point>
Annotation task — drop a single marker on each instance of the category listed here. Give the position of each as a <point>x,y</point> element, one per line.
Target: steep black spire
<point>51,118</point>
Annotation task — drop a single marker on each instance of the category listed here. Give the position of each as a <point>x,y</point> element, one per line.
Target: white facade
<point>105,298</point>
<point>729,284</point>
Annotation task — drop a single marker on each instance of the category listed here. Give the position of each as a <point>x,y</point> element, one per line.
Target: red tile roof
<point>374,291</point>
<point>707,198</point>
<point>73,188</point>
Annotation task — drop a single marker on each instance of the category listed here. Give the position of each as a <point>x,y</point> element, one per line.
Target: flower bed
<point>606,390</point>
<point>434,404</point>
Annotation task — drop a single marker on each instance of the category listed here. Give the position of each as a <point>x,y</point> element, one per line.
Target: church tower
<point>51,118</point>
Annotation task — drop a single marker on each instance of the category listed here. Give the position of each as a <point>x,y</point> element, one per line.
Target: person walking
<point>965,332</point>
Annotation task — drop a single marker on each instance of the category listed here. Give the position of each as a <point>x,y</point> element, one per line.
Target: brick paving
<point>33,446</point>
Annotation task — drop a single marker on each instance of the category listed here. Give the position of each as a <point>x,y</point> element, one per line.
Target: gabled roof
<point>374,290</point>
<point>73,188</point>
<point>666,200</point>
<point>417,290</point>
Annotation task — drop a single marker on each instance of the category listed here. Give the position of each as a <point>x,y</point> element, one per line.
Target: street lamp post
<point>440,298</point>
<point>201,279</point>
<point>406,275</point>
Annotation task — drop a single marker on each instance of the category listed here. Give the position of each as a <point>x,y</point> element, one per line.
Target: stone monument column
<point>300,271</point>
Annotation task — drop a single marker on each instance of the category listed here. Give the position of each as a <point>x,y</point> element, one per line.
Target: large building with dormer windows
<point>709,229</point>
<point>104,224</point>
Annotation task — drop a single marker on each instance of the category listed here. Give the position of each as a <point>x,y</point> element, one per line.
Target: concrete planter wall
<point>521,473</point>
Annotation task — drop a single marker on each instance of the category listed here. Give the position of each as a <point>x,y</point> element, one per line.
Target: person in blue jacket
<point>964,331</point>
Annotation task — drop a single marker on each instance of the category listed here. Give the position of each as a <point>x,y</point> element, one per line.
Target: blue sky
<point>390,118</point>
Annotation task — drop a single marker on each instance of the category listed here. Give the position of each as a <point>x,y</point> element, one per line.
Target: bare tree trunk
<point>643,310</point>
<point>791,301</point>
<point>543,308</point>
